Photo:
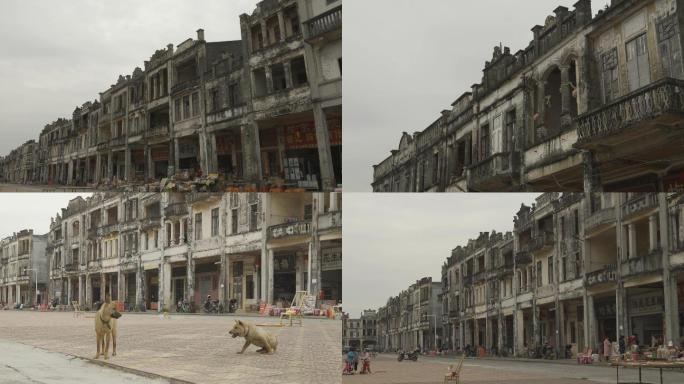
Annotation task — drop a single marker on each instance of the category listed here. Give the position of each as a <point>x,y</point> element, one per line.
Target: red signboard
<point>300,136</point>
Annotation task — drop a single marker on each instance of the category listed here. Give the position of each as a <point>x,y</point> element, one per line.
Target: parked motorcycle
<point>213,306</point>
<point>182,306</point>
<point>413,356</point>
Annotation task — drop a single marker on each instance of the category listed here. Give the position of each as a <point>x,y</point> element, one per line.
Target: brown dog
<point>254,335</point>
<point>105,328</point>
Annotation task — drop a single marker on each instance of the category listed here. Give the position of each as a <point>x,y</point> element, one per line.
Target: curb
<point>133,371</point>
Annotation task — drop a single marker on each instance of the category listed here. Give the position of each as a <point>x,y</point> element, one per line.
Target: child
<point>365,358</point>
<point>348,364</point>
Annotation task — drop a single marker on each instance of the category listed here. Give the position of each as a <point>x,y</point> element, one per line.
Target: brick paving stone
<point>192,348</point>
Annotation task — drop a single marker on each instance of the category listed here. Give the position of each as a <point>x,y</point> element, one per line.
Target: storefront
<point>284,277</point>
<point>129,300</point>
<point>301,162</point>
<point>243,282</point>
<point>331,274</point>
<point>605,317</point>
<point>152,293</point>
<point>178,279</point>
<point>645,309</point>
<point>206,282</point>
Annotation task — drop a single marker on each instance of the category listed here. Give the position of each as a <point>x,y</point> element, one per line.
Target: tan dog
<point>105,328</point>
<point>254,335</point>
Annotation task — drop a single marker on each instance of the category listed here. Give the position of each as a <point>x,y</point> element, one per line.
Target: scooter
<point>413,356</point>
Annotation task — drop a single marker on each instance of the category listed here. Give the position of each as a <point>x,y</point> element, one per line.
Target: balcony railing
<point>542,241</point>
<point>107,229</point>
<point>607,274</point>
<point>118,141</point>
<point>180,87</point>
<point>92,232</point>
<point>282,231</point>
<point>652,262</point>
<point>655,100</point>
<point>639,204</point>
<point>598,218</point>
<point>150,222</point>
<point>159,130</point>
<point>195,197</point>
<point>72,267</point>
<point>522,258</point>
<point>494,166</point>
<point>175,210</point>
<point>325,22</point>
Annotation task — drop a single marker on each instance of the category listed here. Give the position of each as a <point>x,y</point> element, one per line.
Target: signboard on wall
<point>335,131</point>
<point>331,259</point>
<point>651,303</point>
<point>300,136</point>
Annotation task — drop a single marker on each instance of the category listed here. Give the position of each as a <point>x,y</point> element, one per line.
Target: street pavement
<point>25,364</point>
<point>191,348</point>
<point>386,369</point>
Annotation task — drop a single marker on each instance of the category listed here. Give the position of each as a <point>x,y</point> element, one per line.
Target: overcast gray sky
<point>407,60</point>
<point>56,55</point>
<point>392,240</point>
<point>31,210</point>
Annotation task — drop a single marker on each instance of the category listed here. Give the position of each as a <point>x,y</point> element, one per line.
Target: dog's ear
<point>240,322</point>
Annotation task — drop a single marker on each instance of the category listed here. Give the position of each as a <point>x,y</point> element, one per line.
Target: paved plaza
<point>193,348</point>
<point>386,369</point>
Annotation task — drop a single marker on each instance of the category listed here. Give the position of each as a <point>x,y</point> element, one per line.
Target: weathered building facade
<point>593,103</point>
<point>262,111</point>
<point>575,269</point>
<point>23,268</point>
<point>152,250</point>
<point>360,333</point>
<point>411,320</point>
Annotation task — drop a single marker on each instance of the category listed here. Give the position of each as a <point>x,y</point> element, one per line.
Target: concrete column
<point>81,293</point>
<point>281,25</point>
<point>500,333</point>
<point>620,312</point>
<point>103,286</point>
<point>223,281</point>
<point>333,202</point>
<point>560,327</point>
<point>110,165</point>
<point>251,152</point>
<point>212,156</point>
<point>263,271</point>
<point>672,326</point>
<point>89,291</point>
<point>591,336</point>
<point>269,80</point>
<point>98,167</point>
<point>328,182</point>
<point>203,156</point>
<point>535,325</point>
<point>176,156</point>
<point>165,286</point>
<point>69,298</point>
<point>18,288</point>
<point>190,281</point>
<point>149,164</point>
<point>128,174</point>
<point>264,33</point>
<point>592,173</point>
<point>653,232</point>
<point>269,291</point>
<point>566,92</point>
<point>139,282</point>
<point>631,228</point>
<point>288,75</point>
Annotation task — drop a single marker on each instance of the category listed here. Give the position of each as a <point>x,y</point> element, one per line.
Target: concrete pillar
<point>501,331</point>
<point>128,174</point>
<point>69,298</point>
<point>620,311</point>
<point>251,152</point>
<point>176,156</point>
<point>139,283</point>
<point>110,165</point>
<point>120,286</point>
<point>281,25</point>
<point>631,228</point>
<point>592,173</point>
<point>263,270</point>
<point>535,325</point>
<point>149,164</point>
<point>566,90</point>
<point>212,156</point>
<point>653,232</point>
<point>560,328</point>
<point>672,326</point>
<point>103,286</point>
<point>269,80</point>
<point>81,291</point>
<point>89,291</point>
<point>328,182</point>
<point>190,281</point>
<point>591,336</point>
<point>223,281</point>
<point>164,293</point>
<point>288,75</point>
<point>18,289</point>
<point>269,288</point>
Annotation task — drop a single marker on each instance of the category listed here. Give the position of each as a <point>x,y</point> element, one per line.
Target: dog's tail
<point>275,343</point>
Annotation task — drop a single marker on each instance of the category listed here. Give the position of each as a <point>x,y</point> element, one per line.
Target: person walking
<point>365,360</point>
<point>607,348</point>
<point>349,363</point>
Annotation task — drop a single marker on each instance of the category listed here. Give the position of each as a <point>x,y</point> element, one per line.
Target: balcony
<point>176,210</point>
<point>94,264</point>
<point>607,274</point>
<point>92,232</point>
<point>600,218</point>
<point>325,23</point>
<point>282,231</point>
<point>196,197</point>
<point>185,85</point>
<point>107,229</point>
<point>480,276</point>
<point>541,242</point>
<point>102,145</point>
<point>495,173</point>
<point>118,141</point>
<point>650,263</point>
<point>522,258</point>
<point>150,222</point>
<point>118,113</point>
<point>160,130</point>
<point>72,267</point>
<point>660,102</point>
<point>639,204</point>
